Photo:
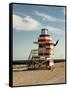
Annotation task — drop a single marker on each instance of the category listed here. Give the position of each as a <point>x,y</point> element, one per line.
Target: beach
<point>41,76</point>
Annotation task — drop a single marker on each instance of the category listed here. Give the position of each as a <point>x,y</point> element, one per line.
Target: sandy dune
<point>34,77</point>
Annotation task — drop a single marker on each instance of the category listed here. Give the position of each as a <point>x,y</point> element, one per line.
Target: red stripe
<point>50,43</point>
<point>44,40</point>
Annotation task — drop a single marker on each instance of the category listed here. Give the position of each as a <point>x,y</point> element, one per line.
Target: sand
<point>36,77</point>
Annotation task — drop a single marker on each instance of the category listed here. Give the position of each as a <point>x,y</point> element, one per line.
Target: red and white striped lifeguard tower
<point>45,49</point>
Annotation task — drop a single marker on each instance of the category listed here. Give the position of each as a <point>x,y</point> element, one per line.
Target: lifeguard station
<point>43,56</point>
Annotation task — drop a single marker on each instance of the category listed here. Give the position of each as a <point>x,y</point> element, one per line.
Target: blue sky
<point>28,20</point>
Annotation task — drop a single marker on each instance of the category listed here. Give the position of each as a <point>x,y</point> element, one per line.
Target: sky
<point>28,20</point>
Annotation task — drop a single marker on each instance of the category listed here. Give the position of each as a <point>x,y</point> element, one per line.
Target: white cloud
<point>28,23</point>
<point>25,23</point>
<point>48,17</point>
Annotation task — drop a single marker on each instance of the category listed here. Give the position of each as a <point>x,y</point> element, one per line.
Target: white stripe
<point>48,38</point>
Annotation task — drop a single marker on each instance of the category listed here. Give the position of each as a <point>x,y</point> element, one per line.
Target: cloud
<point>48,17</point>
<point>24,23</point>
<point>27,23</point>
